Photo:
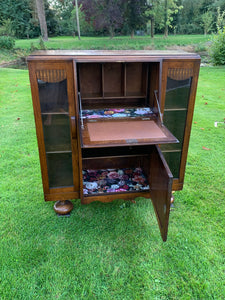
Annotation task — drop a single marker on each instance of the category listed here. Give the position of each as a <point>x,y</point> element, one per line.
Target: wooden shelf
<point>114,97</point>
<point>55,113</point>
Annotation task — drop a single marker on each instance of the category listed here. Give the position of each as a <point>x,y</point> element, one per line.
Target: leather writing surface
<point>123,130</point>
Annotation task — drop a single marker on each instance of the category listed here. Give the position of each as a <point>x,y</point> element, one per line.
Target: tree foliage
<point>104,15</point>
<point>135,15</point>
<point>113,17</point>
<point>217,50</point>
<point>207,21</point>
<point>19,13</point>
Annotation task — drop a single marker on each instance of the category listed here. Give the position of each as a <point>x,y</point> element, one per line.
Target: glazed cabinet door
<point>160,182</point>
<point>179,84</point>
<point>55,116</point>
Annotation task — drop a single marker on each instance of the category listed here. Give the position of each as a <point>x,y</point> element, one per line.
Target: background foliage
<point>217,50</point>
<point>113,17</point>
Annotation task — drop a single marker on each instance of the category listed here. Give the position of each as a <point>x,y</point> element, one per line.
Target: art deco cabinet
<point>113,124</point>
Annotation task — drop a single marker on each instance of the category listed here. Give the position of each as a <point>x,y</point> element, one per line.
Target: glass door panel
<point>175,121</point>
<point>175,114</point>
<point>52,87</point>
<point>173,158</point>
<point>53,96</point>
<point>177,93</point>
<point>56,132</point>
<point>60,170</point>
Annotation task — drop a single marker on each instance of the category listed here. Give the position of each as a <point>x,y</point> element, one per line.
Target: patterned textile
<point>117,113</point>
<point>114,181</point>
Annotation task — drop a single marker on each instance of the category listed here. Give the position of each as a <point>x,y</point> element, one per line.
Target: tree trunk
<point>111,32</point>
<point>166,16</point>
<point>166,31</point>
<point>42,19</point>
<point>132,33</point>
<point>77,17</point>
<point>152,27</point>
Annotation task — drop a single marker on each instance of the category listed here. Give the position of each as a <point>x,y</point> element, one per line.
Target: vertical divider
<point>77,146</point>
<point>125,79</point>
<point>145,86</point>
<point>103,81</point>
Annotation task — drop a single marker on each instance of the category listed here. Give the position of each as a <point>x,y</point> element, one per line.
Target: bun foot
<point>63,207</point>
<point>172,199</point>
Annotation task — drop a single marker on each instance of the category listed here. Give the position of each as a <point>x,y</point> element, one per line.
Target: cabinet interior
<point>118,104</point>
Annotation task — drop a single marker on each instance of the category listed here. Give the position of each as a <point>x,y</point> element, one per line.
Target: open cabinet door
<point>160,180</point>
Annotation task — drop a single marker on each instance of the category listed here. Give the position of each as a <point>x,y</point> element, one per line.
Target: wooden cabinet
<point>113,124</point>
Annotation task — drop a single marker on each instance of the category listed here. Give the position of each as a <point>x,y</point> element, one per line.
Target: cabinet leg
<point>63,207</point>
<point>172,198</point>
<point>172,201</point>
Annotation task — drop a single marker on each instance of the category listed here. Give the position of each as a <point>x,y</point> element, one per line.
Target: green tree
<point>63,13</point>
<point>6,28</point>
<point>207,21</point>
<point>217,51</point>
<point>85,27</point>
<point>171,8</point>
<point>220,20</point>
<point>19,14</point>
<point>150,13</point>
<point>104,15</point>
<point>135,17</point>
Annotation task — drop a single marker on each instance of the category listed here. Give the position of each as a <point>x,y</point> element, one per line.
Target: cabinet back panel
<point>116,151</point>
<point>113,103</point>
<point>115,162</point>
<point>135,79</point>
<point>90,76</point>
<point>113,79</point>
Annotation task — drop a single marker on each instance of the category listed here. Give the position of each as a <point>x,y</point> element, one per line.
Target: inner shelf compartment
<point>114,181</point>
<point>115,173</point>
<point>117,79</point>
<point>127,112</point>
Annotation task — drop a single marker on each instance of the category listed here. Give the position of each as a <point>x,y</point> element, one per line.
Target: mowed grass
<point>25,46</point>
<point>121,42</point>
<point>108,251</point>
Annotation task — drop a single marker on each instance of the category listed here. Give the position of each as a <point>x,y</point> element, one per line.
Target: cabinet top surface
<point>73,54</point>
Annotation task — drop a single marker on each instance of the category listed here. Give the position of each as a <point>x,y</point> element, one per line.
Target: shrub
<point>217,51</point>
<point>32,47</point>
<point>6,28</point>
<point>7,42</point>
<point>41,43</point>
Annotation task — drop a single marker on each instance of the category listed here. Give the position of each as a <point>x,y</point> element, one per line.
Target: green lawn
<point>108,251</point>
<point>23,47</point>
<point>123,42</point>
